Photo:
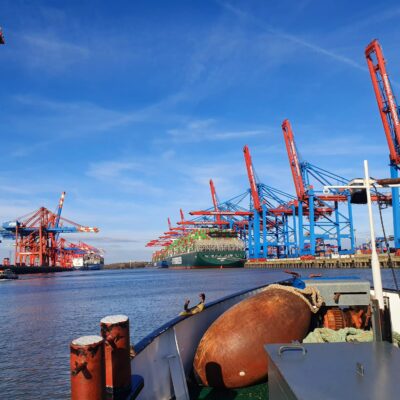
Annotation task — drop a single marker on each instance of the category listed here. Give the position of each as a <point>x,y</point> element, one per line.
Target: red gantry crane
<point>214,200</point>
<point>390,116</point>
<point>272,228</point>
<point>227,209</point>
<point>325,221</point>
<point>37,236</point>
<point>70,251</point>
<point>2,40</point>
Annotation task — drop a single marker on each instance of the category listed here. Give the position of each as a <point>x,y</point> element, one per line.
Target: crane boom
<point>213,195</point>
<point>293,160</point>
<point>389,112</point>
<point>214,199</point>
<point>252,179</point>
<point>385,98</point>
<point>59,210</point>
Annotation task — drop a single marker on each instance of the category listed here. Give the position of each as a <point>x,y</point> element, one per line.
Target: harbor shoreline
<point>357,261</point>
<point>34,270</point>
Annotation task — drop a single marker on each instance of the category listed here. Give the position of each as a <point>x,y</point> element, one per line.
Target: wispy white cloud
<point>74,118</point>
<point>369,19</point>
<point>26,150</point>
<point>128,176</point>
<point>209,130</point>
<point>168,155</point>
<point>50,41</point>
<point>14,189</point>
<point>320,50</point>
<point>53,54</point>
<point>296,39</point>
<point>111,169</point>
<point>344,146</point>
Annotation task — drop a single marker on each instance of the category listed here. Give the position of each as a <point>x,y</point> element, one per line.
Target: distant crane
<point>169,236</point>
<point>59,210</point>
<point>37,236</point>
<point>326,222</point>
<point>230,210</point>
<point>230,214</point>
<point>214,200</point>
<point>272,228</point>
<point>390,115</point>
<point>2,40</point>
<point>67,252</point>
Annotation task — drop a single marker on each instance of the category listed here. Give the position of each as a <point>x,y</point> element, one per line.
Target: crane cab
<point>2,40</point>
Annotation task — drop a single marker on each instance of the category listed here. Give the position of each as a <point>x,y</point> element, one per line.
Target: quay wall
<point>355,261</point>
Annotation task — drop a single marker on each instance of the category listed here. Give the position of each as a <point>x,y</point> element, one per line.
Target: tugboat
<point>203,356</point>
<point>8,274</point>
<point>88,262</point>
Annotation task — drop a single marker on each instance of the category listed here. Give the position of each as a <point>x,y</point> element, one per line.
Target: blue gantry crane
<point>323,218</point>
<point>272,230</point>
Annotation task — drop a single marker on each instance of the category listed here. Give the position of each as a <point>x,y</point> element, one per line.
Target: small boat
<point>173,348</point>
<point>161,264</point>
<point>8,274</point>
<point>227,350</point>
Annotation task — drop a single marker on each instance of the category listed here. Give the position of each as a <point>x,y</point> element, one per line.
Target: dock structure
<point>317,219</point>
<point>354,261</point>
<point>37,238</point>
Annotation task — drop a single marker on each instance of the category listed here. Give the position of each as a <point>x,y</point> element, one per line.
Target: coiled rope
<point>310,295</point>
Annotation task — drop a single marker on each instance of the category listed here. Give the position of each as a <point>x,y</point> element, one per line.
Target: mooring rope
<point>310,295</point>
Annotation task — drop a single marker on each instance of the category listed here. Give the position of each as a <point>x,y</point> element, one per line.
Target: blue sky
<point>131,107</point>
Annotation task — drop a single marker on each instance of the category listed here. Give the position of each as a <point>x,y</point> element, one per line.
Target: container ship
<point>203,248</point>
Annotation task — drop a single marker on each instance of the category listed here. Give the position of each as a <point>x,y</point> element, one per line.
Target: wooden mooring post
<point>115,332</point>
<point>87,368</point>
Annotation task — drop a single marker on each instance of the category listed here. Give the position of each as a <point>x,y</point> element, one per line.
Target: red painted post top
<point>87,368</point>
<point>115,332</point>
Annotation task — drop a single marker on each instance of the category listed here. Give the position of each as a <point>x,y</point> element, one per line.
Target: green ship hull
<point>207,259</point>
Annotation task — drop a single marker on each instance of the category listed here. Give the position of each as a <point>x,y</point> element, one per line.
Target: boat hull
<point>207,259</point>
<point>35,270</point>
<point>91,267</point>
<point>161,264</point>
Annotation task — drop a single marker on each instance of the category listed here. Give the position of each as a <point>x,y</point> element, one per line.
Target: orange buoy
<point>87,368</point>
<point>115,332</point>
<point>231,353</point>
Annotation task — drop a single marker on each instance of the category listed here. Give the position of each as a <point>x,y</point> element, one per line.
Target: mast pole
<point>376,269</point>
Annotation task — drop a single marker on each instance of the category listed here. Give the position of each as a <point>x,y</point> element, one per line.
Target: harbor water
<point>41,314</point>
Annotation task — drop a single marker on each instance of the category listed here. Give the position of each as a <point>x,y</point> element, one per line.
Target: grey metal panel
<point>342,292</point>
<point>178,377</point>
<point>330,371</point>
<point>394,301</point>
<point>277,386</point>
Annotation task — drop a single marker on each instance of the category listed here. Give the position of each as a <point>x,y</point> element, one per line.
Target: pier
<point>354,261</point>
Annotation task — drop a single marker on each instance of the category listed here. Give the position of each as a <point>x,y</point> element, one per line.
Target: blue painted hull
<point>92,267</point>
